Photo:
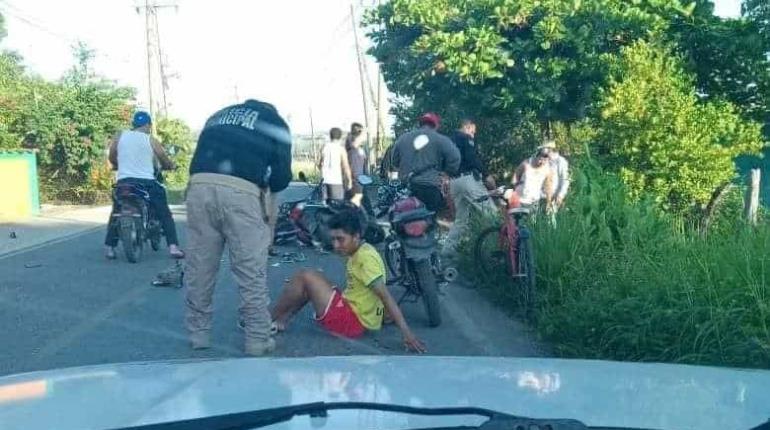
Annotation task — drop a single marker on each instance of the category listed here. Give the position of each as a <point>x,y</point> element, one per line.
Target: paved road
<point>64,305</point>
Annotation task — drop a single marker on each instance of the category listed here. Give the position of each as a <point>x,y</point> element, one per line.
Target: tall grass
<point>619,280</point>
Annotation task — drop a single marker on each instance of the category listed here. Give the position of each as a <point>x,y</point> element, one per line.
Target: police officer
<point>243,157</point>
<point>466,187</point>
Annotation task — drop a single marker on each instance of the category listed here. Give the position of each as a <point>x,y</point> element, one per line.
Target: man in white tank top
<point>534,179</point>
<point>133,153</point>
<point>334,167</point>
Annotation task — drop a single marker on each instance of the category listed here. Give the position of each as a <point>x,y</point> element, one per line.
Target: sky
<point>297,54</point>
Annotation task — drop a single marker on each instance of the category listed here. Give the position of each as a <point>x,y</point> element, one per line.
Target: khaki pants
<point>465,192</point>
<point>217,215</point>
<point>271,200</point>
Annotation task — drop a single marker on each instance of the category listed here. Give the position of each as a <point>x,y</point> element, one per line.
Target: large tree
<point>663,141</point>
<point>759,12</point>
<point>504,58</point>
<point>728,57</point>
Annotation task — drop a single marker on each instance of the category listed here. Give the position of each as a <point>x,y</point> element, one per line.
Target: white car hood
<point>657,396</point>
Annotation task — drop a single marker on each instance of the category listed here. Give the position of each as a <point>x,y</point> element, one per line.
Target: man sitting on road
<point>133,153</point>
<point>533,180</point>
<point>365,300</point>
<point>421,156</point>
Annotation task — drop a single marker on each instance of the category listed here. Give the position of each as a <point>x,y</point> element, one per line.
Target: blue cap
<point>141,118</point>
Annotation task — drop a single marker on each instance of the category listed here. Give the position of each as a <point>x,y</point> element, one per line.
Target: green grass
<point>618,280</point>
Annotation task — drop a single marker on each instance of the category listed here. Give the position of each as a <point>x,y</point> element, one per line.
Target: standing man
<point>335,170</point>
<point>356,160</point>
<point>243,157</point>
<point>533,181</point>
<point>466,187</point>
<point>133,153</point>
<point>421,155</point>
<point>561,168</point>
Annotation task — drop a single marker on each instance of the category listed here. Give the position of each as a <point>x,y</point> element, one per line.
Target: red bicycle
<point>507,248</point>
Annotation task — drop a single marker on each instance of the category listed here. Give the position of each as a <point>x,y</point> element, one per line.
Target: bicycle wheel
<point>490,253</point>
<point>527,277</point>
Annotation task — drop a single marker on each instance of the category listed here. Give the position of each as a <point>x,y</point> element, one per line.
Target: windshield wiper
<point>265,417</point>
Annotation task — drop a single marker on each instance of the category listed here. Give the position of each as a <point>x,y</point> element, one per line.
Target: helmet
<point>431,119</point>
<point>141,118</point>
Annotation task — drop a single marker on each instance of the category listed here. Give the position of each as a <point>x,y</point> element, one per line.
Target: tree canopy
<point>591,73</point>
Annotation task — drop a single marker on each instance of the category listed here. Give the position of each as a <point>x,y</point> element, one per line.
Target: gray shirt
<point>427,152</point>
<point>357,161</point>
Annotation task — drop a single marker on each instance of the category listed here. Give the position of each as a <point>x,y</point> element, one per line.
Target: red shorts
<point>340,319</point>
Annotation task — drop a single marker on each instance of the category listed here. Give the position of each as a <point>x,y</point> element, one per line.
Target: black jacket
<point>469,157</point>
<point>250,141</point>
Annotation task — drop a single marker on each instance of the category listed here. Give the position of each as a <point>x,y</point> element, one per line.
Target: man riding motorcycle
<point>132,154</point>
<point>421,155</point>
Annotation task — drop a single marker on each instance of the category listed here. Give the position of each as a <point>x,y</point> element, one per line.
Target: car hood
<point>659,396</point>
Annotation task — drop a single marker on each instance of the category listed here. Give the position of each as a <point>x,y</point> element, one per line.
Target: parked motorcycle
<point>135,220</point>
<point>412,258</point>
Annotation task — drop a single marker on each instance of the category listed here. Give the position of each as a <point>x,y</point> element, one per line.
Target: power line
<point>38,24</point>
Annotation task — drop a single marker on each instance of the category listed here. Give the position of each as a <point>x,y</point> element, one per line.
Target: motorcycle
<point>412,258</point>
<point>135,220</point>
<point>307,220</point>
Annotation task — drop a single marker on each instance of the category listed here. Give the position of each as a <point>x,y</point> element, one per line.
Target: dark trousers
<point>430,195</point>
<point>158,205</point>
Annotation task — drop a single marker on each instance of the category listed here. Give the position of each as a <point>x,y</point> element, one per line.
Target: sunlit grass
<point>617,280</point>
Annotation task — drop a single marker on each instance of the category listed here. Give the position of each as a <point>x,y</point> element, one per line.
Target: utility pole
<point>362,75</point>
<point>149,56</point>
<point>151,29</point>
<point>312,137</point>
<point>161,64</point>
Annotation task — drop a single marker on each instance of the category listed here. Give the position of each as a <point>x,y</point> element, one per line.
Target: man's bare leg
<point>305,286</point>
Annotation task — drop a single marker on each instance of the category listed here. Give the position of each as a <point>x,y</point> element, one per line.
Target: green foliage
<point>758,11</point>
<point>178,141</point>
<point>619,280</point>
<point>728,58</point>
<point>68,122</point>
<point>508,56</point>
<point>660,139</point>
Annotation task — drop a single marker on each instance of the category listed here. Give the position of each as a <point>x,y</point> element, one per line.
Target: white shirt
<point>331,170</point>
<point>135,156</point>
<point>561,184</point>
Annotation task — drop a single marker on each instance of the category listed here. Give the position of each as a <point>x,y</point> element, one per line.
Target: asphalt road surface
<point>64,305</point>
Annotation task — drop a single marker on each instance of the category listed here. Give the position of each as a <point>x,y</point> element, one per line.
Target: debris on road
<point>33,265</point>
<point>171,277</point>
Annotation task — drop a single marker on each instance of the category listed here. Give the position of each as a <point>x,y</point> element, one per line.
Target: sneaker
<point>200,340</point>
<point>273,327</point>
<point>256,348</point>
<point>109,253</point>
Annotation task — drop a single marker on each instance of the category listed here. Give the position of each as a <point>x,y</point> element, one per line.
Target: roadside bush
<point>620,280</point>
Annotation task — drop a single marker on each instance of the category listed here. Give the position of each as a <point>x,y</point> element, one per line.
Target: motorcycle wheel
<point>393,260</point>
<point>129,230</point>
<point>322,233</point>
<point>426,280</point>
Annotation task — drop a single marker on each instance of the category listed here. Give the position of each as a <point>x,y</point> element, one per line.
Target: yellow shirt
<point>363,269</point>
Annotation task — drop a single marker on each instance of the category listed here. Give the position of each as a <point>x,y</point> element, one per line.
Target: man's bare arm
<point>160,153</point>
<point>113,155</point>
<point>346,172</point>
<point>391,307</point>
<point>518,173</point>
